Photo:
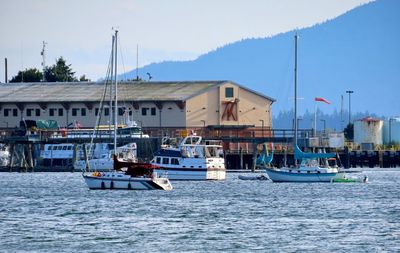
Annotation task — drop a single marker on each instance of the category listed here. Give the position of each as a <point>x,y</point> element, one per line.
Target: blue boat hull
<point>295,176</point>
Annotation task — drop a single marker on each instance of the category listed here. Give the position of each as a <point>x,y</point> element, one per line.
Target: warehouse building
<point>150,104</point>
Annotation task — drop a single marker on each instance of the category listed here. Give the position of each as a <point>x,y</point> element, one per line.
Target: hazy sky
<point>80,30</point>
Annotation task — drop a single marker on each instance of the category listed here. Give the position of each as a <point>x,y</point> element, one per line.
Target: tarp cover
<point>47,124</point>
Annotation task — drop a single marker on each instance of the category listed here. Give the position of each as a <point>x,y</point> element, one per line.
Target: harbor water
<point>55,212</point>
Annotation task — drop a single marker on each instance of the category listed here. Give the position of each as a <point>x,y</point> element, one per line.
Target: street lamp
<point>262,127</point>
<point>349,92</point>
<point>204,125</point>
<point>323,120</point>
<point>390,130</point>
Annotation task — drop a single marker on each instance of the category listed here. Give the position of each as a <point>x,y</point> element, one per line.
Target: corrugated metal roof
<point>87,92</point>
<point>93,91</point>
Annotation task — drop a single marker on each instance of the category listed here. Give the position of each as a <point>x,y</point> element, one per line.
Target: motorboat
<point>192,159</point>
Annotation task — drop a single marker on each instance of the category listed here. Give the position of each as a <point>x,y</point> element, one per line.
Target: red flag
<point>322,100</point>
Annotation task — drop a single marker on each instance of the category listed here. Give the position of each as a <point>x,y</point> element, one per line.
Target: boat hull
<point>192,174</point>
<point>295,176</point>
<point>125,182</point>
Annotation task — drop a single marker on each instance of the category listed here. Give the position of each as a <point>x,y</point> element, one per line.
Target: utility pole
<point>6,70</point>
<point>43,54</point>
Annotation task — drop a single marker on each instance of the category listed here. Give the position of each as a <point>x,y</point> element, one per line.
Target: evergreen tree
<point>60,72</point>
<point>28,75</point>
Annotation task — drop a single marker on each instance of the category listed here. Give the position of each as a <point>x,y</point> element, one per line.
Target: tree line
<point>58,72</point>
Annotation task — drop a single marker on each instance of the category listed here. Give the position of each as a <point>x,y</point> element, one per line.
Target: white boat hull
<point>277,175</point>
<point>192,174</point>
<point>120,181</point>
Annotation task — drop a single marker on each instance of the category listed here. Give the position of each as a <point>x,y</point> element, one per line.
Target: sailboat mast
<point>115,92</point>
<point>110,122</point>
<point>295,91</point>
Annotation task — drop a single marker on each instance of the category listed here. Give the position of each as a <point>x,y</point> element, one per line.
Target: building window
<point>60,112</point>
<point>96,111</point>
<point>130,113</point>
<point>153,111</point>
<point>229,92</point>
<point>15,112</point>
<point>6,112</point>
<point>83,111</point>
<point>52,112</point>
<point>29,112</point>
<point>121,111</point>
<point>37,112</point>
<point>144,111</point>
<point>75,111</point>
<point>106,111</point>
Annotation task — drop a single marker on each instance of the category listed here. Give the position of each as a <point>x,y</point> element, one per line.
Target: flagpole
<point>315,118</point>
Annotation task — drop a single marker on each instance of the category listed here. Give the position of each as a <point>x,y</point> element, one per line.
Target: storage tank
<point>368,130</point>
<point>391,130</point>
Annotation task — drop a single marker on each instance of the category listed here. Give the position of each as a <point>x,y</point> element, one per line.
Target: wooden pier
<point>241,149</point>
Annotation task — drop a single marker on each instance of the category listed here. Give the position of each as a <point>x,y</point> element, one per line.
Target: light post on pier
<point>349,92</point>
<point>323,120</point>
<point>204,126</point>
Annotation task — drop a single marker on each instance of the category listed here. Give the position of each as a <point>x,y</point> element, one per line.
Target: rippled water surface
<point>55,212</point>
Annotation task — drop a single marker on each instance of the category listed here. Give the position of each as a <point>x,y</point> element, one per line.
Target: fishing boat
<point>310,168</point>
<point>192,159</point>
<point>127,175</point>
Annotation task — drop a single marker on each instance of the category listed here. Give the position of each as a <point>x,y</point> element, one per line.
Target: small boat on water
<point>258,177</point>
<point>192,159</point>
<point>345,178</point>
<point>127,176</point>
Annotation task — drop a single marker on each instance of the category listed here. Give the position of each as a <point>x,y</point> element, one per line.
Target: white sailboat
<point>127,175</point>
<point>310,168</point>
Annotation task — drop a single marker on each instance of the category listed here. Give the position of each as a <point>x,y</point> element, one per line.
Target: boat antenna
<point>137,62</point>
<point>43,54</point>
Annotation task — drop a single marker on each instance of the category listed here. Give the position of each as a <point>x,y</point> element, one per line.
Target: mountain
<point>357,51</point>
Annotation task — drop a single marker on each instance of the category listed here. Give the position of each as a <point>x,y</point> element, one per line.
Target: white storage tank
<point>368,130</point>
<point>391,130</point>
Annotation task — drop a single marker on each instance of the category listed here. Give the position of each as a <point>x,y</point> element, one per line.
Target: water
<point>55,212</point>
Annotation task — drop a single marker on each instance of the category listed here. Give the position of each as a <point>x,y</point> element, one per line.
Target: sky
<point>81,30</point>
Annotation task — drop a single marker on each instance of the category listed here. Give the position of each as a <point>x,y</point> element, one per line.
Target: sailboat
<point>309,169</point>
<point>127,175</point>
